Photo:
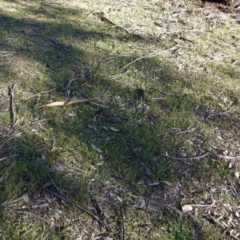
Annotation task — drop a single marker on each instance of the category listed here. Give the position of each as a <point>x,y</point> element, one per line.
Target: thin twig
<point>209,217</point>
<point>26,233</point>
<point>185,131</point>
<point>12,109</point>
<point>186,158</point>
<point>43,92</point>
<point>70,82</point>
<point>102,17</point>
<point>233,236</point>
<point>173,94</point>
<point>54,184</point>
<point>150,55</point>
<point>122,223</point>
<point>228,157</point>
<point>37,216</point>
<point>76,205</point>
<point>157,98</point>
<point>99,105</point>
<point>219,113</point>
<point>1,159</point>
<point>7,53</point>
<point>201,205</point>
<point>8,139</point>
<point>158,201</point>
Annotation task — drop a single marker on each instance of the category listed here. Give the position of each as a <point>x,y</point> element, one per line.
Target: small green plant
<point>181,231</point>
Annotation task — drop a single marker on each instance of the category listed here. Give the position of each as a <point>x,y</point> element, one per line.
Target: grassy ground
<point>156,156</point>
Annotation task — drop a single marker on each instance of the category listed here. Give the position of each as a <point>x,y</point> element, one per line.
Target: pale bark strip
<point>68,102</point>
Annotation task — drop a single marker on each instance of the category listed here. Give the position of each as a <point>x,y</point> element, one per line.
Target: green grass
<point>162,100</point>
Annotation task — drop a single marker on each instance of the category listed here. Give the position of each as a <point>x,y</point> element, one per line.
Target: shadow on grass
<point>107,158</point>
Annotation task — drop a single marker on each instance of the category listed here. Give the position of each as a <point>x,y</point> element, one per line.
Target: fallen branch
<point>68,102</point>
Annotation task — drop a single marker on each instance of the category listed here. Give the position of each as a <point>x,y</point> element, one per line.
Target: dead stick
<point>64,103</point>
<point>76,205</point>
<point>186,158</point>
<point>37,216</point>
<point>12,109</point>
<point>122,223</point>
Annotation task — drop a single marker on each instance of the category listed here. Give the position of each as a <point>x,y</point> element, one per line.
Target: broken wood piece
<point>68,102</point>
